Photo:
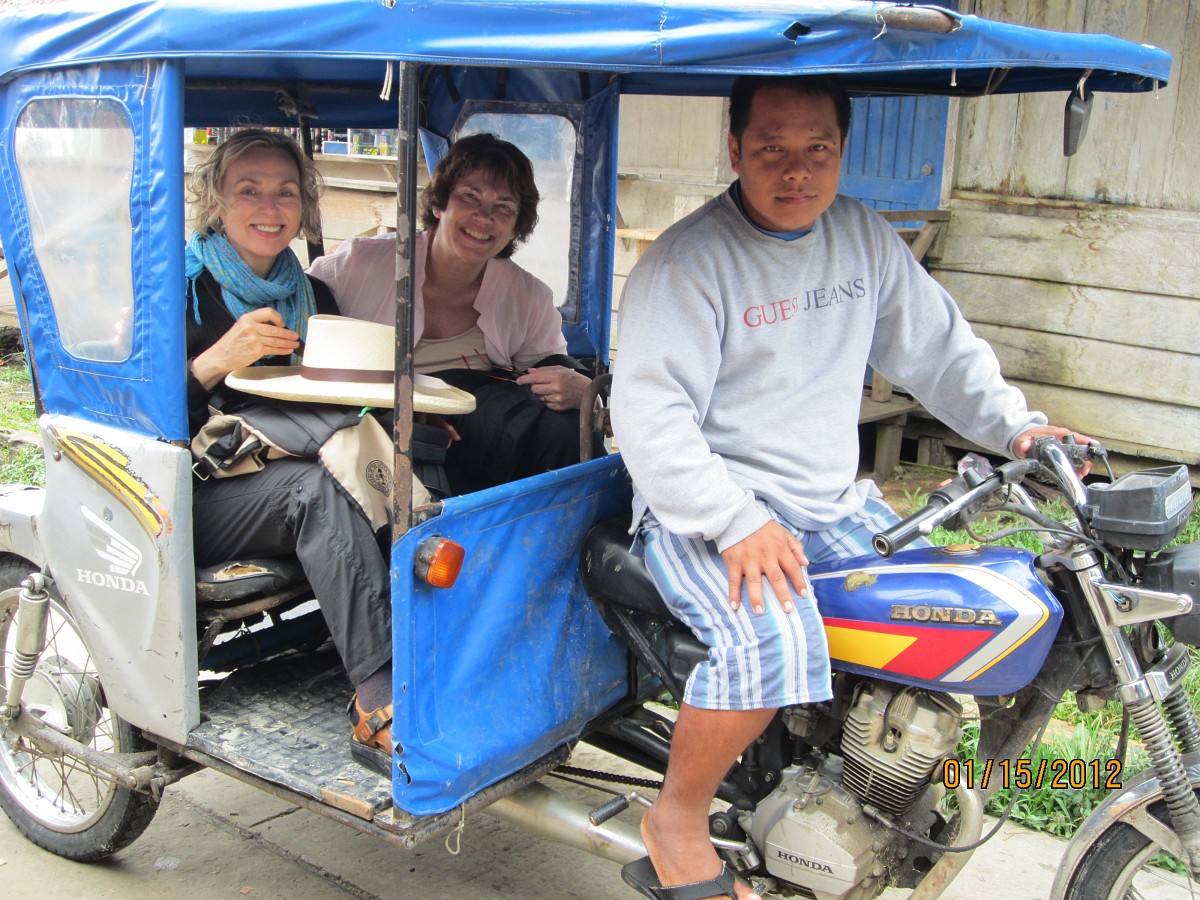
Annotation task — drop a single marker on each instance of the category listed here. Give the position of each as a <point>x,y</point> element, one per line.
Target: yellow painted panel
<point>865,648</point>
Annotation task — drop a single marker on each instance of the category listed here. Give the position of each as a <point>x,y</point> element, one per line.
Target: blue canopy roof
<point>655,46</point>
<point>160,65</point>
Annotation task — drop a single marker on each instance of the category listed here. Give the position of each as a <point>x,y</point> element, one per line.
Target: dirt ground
<point>910,483</point>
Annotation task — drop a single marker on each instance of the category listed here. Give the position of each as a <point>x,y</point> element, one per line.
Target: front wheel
<point>60,803</point>
<point>1124,864</point>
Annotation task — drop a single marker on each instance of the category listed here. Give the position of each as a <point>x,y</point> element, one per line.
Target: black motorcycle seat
<point>612,574</point>
<point>238,579</point>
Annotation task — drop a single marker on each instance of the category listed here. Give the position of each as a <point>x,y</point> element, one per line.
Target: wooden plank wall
<point>672,138</point>
<point>1092,307</point>
<point>1141,150</point>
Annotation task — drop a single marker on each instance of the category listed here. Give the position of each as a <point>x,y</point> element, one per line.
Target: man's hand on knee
<point>773,553</point>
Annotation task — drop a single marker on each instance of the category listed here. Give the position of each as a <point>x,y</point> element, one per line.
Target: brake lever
<point>1011,472</point>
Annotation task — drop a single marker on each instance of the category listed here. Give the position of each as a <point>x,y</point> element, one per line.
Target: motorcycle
<point>522,624</point>
<point>844,797</point>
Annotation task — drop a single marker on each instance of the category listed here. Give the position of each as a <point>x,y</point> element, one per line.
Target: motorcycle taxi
<point>125,668</point>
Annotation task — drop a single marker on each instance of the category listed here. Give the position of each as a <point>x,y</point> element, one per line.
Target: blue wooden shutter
<point>895,152</point>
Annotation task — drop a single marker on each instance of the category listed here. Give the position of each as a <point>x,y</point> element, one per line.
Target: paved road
<point>216,838</point>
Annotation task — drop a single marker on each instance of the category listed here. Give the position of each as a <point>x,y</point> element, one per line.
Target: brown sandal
<point>371,738</point>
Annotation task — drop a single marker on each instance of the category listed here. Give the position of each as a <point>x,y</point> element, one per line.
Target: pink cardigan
<point>517,316</point>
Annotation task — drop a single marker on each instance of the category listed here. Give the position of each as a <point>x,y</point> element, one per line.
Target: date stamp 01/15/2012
<point>1024,774</point>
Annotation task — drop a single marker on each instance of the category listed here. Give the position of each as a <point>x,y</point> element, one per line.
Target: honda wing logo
<point>121,558</point>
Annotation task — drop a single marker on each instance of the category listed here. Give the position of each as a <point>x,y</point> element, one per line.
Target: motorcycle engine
<point>812,830</point>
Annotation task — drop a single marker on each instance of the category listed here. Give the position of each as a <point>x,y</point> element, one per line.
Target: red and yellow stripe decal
<point>918,651</point>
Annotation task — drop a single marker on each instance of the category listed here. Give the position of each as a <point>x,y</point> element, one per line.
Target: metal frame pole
<point>406,229</point>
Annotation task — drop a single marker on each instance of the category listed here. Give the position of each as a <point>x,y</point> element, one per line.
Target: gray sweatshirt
<point>739,371</point>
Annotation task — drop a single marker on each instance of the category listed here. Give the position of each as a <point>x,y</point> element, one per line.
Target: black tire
<point>1118,866</point>
<point>61,803</point>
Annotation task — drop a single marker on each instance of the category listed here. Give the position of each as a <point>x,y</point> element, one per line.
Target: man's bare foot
<point>682,853</point>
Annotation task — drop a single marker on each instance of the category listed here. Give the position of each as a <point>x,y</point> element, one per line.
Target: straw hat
<point>351,362</point>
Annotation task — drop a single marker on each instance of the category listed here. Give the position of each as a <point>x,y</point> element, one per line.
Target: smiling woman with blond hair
<point>249,303</point>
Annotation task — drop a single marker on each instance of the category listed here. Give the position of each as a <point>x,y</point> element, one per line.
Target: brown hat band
<point>356,376</point>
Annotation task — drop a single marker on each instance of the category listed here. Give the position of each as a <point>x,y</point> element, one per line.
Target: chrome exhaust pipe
<point>543,811</point>
<point>29,642</point>
<point>946,869</point>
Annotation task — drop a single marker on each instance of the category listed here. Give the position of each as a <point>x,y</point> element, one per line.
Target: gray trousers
<point>293,506</point>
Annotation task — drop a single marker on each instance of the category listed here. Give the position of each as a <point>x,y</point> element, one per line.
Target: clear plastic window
<point>75,157</point>
<point>550,142</point>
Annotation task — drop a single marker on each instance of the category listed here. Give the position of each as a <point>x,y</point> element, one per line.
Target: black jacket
<point>215,320</point>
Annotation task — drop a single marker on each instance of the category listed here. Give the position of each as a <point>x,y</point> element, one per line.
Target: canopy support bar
<point>406,234</point>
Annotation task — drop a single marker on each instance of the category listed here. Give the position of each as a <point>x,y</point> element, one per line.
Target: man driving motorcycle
<point>744,332</point>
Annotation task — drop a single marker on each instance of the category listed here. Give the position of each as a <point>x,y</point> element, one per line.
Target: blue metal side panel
<point>513,660</point>
<point>590,336</point>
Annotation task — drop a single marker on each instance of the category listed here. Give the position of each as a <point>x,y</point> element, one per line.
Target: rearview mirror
<point>1075,120</point>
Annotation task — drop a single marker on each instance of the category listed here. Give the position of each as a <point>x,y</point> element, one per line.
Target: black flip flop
<point>640,876</point>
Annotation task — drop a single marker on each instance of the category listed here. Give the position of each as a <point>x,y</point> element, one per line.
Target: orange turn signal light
<point>438,562</point>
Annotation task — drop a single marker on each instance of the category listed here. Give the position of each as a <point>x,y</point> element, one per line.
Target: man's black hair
<point>741,96</point>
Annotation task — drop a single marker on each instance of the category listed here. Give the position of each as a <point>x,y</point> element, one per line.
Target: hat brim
<point>430,395</point>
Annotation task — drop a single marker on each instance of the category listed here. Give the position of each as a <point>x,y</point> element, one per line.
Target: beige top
<point>517,315</point>
<point>462,351</point>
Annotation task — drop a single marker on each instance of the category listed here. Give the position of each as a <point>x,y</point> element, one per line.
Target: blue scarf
<point>286,289</point>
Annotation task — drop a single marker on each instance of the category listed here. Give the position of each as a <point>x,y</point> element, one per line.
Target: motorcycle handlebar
<point>907,530</point>
<point>1064,458</point>
<point>1077,453</point>
<point>946,502</point>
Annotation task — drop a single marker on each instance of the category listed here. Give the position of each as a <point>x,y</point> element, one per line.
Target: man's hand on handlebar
<point>1024,443</point>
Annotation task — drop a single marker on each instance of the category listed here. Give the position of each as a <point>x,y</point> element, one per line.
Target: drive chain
<point>594,775</point>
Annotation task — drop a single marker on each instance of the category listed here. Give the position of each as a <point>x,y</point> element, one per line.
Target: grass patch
<point>1069,770</point>
<point>1191,528</point>
<point>16,398</point>
<point>20,462</point>
<point>25,465</point>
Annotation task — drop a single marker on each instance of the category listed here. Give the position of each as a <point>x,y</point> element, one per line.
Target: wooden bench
<point>881,406</point>
<point>642,237</point>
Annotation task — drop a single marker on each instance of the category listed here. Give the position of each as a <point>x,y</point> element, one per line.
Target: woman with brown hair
<point>481,322</point>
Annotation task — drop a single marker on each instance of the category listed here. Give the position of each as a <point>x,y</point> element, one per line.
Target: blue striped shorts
<point>762,661</point>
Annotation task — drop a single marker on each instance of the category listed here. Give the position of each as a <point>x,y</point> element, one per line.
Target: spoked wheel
<point>1125,864</point>
<point>61,803</point>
